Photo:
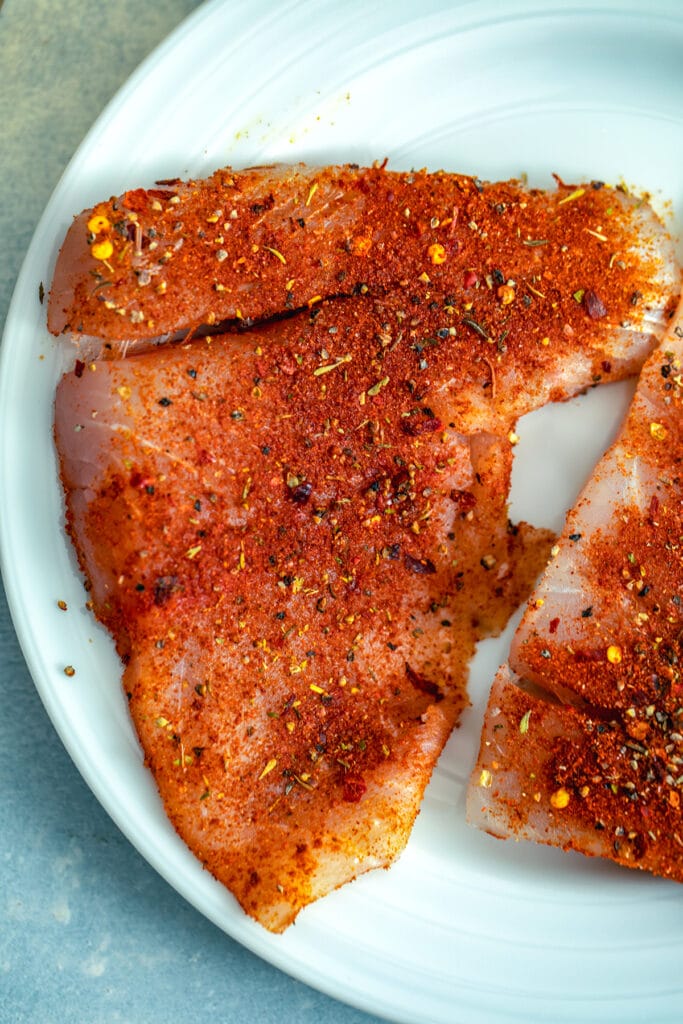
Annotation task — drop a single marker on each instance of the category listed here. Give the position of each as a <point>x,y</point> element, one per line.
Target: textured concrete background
<point>89,933</point>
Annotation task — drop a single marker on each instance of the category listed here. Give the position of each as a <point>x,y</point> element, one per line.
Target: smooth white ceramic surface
<point>463,928</point>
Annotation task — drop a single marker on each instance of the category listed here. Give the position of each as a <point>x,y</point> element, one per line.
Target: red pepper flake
<point>79,368</point>
<point>137,200</point>
<point>301,493</point>
<point>355,787</point>
<point>164,588</point>
<point>470,279</point>
<point>423,684</point>
<point>427,425</point>
<point>552,625</point>
<point>139,481</point>
<point>465,500</point>
<point>594,306</point>
<point>421,566</point>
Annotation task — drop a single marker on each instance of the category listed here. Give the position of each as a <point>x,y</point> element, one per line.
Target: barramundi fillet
<point>583,739</point>
<point>295,553</point>
<point>588,261</point>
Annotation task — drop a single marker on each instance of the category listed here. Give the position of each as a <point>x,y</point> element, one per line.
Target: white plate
<point>463,928</point>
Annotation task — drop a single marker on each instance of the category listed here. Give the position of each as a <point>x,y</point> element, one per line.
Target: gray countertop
<point>88,931</point>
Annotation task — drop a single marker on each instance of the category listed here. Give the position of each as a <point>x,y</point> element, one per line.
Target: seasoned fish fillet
<point>588,753</point>
<point>583,261</point>
<point>295,558</point>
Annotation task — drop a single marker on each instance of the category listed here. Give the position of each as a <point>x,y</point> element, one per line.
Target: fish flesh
<point>582,745</point>
<point>295,564</point>
<point>586,261</point>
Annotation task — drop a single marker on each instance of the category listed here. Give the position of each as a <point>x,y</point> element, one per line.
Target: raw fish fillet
<point>295,557</point>
<point>583,738</point>
<point>581,262</point>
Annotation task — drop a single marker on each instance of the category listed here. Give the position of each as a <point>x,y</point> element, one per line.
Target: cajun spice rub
<point>252,244</point>
<point>600,768</point>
